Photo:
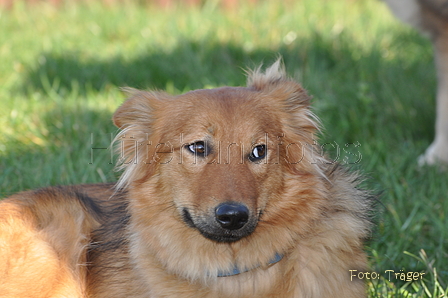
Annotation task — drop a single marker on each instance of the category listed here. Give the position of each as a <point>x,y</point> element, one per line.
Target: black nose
<point>232,216</point>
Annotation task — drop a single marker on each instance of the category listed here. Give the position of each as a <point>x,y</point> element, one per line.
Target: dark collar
<point>236,271</point>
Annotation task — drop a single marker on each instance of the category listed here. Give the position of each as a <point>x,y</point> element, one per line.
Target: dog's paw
<point>436,154</point>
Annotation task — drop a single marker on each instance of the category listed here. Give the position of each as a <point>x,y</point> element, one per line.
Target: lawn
<point>371,77</point>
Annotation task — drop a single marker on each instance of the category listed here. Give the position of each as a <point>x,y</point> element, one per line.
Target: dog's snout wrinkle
<point>186,216</point>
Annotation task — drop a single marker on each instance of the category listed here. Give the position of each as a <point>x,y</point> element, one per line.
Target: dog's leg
<point>438,150</point>
<point>431,16</point>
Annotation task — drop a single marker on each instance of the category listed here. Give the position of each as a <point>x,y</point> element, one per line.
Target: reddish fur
<point>312,213</point>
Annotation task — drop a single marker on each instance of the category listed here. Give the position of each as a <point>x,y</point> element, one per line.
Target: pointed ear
<point>299,122</point>
<point>287,94</point>
<point>275,82</point>
<point>135,117</point>
<point>136,110</point>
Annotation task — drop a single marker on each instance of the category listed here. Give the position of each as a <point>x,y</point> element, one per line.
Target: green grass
<point>372,79</point>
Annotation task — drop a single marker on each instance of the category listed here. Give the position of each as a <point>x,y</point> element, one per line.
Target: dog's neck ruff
<point>236,271</point>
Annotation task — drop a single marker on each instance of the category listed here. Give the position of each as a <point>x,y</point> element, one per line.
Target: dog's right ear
<point>135,117</point>
<point>137,110</point>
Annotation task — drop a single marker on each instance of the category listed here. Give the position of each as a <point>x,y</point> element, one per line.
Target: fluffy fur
<point>154,233</point>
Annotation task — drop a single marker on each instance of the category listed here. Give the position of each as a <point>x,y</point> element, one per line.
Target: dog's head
<point>219,156</point>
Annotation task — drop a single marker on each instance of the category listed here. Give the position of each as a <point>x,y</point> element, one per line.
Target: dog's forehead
<point>224,112</point>
<point>226,102</point>
<point>222,95</point>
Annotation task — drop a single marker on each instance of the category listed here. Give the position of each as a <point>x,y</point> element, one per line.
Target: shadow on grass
<point>73,147</point>
<point>187,66</point>
<point>351,85</point>
<point>190,65</point>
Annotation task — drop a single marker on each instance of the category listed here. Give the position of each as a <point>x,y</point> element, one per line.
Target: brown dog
<point>222,195</point>
<point>432,16</point>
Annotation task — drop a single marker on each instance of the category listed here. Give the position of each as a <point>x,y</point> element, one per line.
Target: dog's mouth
<point>229,222</point>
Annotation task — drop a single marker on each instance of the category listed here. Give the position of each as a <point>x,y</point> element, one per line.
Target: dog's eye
<point>198,148</point>
<point>258,152</point>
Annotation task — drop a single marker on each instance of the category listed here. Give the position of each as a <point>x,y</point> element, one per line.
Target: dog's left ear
<point>274,79</point>
<point>287,95</point>
<point>300,125</point>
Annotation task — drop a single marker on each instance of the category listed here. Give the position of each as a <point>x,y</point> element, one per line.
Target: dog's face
<point>220,155</point>
<point>224,144</point>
